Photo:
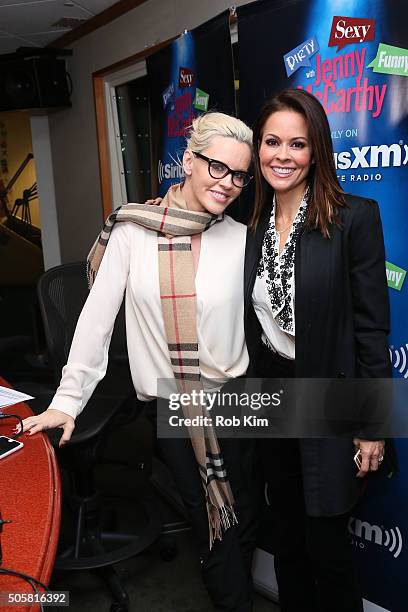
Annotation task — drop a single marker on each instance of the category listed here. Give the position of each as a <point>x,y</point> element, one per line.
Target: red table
<point>30,496</point>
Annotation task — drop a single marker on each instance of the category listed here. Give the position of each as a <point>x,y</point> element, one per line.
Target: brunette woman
<point>316,306</point>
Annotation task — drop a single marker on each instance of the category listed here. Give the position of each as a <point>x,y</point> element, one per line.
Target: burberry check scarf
<point>175,225</point>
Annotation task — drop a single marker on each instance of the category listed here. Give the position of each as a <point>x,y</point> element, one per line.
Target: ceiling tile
<point>26,19</point>
<point>25,22</point>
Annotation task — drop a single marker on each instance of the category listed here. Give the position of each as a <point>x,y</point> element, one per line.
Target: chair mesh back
<point>62,292</point>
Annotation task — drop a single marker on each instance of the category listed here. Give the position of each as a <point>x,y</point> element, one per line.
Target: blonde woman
<point>180,267</point>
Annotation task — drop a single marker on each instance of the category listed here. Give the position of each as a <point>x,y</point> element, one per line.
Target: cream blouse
<point>273,295</point>
<point>130,263</point>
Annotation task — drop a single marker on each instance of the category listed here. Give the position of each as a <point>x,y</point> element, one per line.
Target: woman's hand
<point>154,201</point>
<point>50,419</point>
<point>371,455</point>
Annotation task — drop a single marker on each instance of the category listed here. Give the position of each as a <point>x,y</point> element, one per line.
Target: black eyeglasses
<point>219,170</point>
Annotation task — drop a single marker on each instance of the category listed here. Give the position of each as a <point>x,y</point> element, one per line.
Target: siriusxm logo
<point>169,171</point>
<point>399,359</point>
<point>374,156</point>
<point>391,539</point>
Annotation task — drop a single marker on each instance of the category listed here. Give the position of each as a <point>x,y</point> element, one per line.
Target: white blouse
<point>273,295</point>
<point>273,336</point>
<point>131,263</point>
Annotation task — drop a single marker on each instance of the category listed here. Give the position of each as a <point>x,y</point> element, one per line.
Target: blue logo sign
<point>167,94</point>
<point>300,56</point>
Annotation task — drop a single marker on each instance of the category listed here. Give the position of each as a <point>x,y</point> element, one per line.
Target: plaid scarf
<point>175,225</point>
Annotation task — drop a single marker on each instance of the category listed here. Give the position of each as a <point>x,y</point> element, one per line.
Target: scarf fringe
<point>219,520</point>
<point>91,275</point>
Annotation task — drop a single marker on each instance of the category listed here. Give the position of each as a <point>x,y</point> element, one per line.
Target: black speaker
<point>33,83</point>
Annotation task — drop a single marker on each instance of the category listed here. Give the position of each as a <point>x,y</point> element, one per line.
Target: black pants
<point>226,569</point>
<point>313,555</point>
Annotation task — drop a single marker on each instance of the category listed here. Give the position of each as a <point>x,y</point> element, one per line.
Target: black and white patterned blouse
<point>276,272</point>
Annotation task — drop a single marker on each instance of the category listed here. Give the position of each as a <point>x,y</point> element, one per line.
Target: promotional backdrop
<point>192,75</point>
<point>352,56</point>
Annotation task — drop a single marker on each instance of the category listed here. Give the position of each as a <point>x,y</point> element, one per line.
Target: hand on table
<point>371,455</point>
<point>50,419</point>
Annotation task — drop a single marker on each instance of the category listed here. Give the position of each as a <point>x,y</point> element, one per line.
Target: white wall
<point>40,131</point>
<point>73,131</point>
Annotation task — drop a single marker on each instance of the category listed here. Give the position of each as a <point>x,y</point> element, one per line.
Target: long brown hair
<point>325,193</point>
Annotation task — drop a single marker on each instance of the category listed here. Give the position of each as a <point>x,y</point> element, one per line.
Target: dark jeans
<point>226,569</point>
<point>313,555</point>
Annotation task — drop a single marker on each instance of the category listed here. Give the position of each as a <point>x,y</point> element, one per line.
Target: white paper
<point>9,397</point>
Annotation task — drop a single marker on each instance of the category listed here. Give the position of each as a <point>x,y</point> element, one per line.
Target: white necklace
<point>285,229</point>
<point>282,231</point>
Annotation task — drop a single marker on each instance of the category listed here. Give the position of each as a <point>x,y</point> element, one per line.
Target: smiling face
<point>285,154</point>
<point>204,193</point>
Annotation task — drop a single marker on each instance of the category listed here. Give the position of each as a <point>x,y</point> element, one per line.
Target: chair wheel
<point>118,607</point>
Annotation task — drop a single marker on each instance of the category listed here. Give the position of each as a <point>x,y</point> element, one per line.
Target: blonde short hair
<point>212,124</point>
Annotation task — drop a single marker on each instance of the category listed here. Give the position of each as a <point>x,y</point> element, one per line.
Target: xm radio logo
<point>374,156</point>
<point>169,171</point>
<point>391,539</point>
<point>399,359</point>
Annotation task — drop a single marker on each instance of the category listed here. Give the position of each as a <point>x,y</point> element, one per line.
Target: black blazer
<point>341,324</point>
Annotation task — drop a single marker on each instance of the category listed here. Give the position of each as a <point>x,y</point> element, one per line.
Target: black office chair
<point>95,545</point>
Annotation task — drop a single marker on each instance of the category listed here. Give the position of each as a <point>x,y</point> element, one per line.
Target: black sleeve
<point>369,292</point>
<point>371,318</point>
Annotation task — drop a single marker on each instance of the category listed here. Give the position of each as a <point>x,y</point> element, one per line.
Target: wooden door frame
<point>98,79</point>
